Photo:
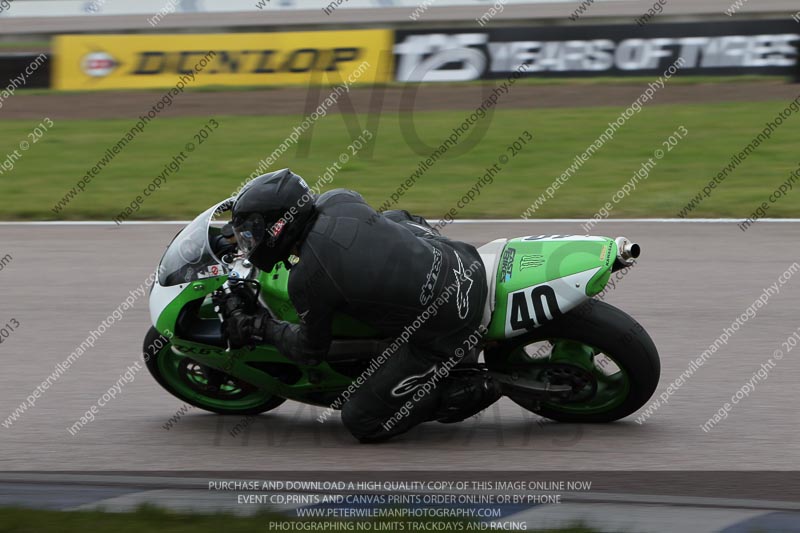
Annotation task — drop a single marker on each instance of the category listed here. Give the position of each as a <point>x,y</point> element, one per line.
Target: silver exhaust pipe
<point>627,251</point>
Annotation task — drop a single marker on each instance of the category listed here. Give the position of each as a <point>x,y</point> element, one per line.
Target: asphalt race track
<point>693,280</point>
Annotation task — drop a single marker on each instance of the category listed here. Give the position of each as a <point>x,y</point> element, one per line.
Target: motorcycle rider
<point>384,269</point>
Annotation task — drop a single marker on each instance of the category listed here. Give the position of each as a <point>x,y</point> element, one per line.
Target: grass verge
<point>50,167</point>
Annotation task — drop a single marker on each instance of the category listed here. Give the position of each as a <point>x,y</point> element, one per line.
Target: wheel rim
<point>205,386</point>
<point>606,384</point>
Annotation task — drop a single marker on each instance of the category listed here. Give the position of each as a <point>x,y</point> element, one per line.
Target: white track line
<point>466,221</point>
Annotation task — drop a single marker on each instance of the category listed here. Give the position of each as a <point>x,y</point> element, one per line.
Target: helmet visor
<point>249,232</point>
<point>253,230</point>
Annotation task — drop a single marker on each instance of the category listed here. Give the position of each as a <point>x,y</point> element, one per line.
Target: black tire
<point>151,355</point>
<point>608,329</point>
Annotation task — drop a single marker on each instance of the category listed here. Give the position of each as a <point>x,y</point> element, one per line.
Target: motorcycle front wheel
<point>200,386</point>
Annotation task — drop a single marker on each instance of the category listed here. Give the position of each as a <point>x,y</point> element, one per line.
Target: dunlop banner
<point>97,62</point>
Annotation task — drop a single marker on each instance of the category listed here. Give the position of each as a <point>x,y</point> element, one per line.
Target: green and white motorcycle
<point>558,352</point>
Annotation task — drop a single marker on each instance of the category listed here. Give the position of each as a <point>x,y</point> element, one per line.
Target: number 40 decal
<point>520,310</point>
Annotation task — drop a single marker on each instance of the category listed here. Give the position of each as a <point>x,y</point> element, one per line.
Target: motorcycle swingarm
<point>511,385</point>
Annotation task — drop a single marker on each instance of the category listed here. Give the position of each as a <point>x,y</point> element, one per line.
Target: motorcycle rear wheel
<point>583,341</point>
<point>200,386</point>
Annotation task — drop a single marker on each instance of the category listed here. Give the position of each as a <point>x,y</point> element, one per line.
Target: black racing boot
<point>465,393</point>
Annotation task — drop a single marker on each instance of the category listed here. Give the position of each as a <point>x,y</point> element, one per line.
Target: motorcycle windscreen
<point>189,257</point>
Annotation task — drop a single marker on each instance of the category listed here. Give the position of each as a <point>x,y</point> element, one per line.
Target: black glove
<point>242,324</point>
<point>241,329</point>
<point>241,299</point>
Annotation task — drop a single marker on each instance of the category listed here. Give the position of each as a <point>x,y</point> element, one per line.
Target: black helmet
<point>270,215</point>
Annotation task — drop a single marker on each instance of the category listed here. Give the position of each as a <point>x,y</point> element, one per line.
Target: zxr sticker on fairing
<point>535,306</point>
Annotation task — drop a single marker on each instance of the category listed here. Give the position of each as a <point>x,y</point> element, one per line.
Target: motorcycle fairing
<point>539,278</point>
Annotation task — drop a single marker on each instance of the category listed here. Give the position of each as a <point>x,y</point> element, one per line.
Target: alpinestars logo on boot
<point>412,383</point>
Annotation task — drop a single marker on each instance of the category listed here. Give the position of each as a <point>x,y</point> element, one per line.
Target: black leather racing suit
<point>394,273</point>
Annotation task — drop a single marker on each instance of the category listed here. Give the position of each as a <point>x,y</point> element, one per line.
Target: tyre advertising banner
<point>96,62</point>
<point>720,48</point>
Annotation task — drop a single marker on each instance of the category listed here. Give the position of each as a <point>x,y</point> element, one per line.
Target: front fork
<point>240,273</point>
